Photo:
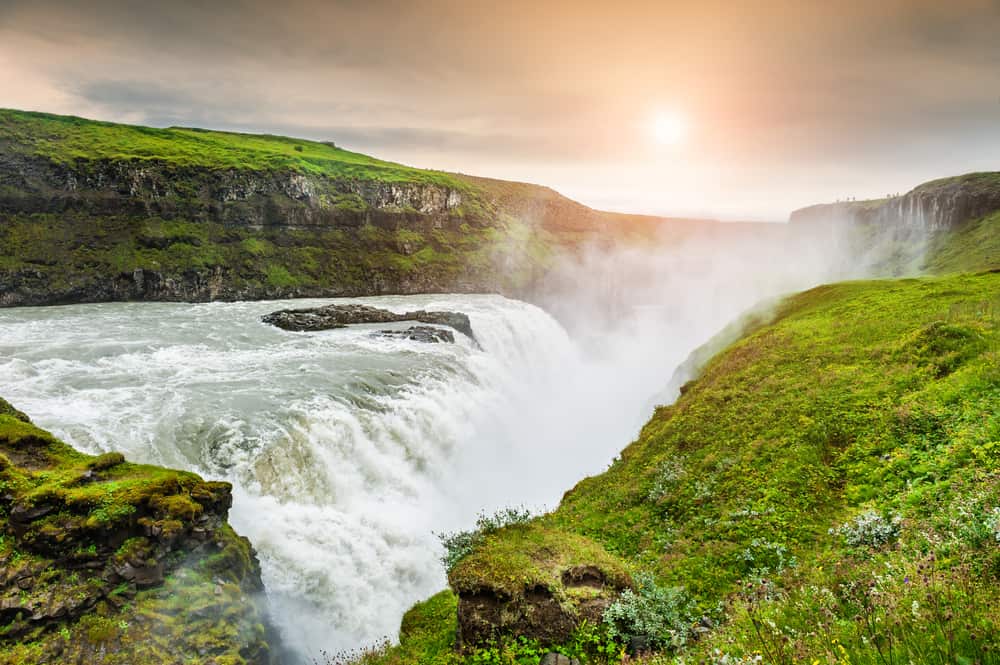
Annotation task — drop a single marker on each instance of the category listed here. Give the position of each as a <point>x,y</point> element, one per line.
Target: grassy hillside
<point>66,139</point>
<point>827,491</point>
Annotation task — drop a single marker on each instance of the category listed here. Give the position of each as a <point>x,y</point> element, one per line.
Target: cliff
<point>939,205</point>
<point>950,225</point>
<point>93,211</point>
<point>105,561</point>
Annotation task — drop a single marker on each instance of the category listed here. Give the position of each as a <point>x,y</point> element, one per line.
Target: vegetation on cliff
<point>973,246</point>
<point>827,490</point>
<point>96,211</point>
<point>113,562</point>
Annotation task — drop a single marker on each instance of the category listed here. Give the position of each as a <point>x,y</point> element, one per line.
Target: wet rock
<point>143,575</point>
<point>339,316</point>
<point>420,334</point>
<point>23,514</point>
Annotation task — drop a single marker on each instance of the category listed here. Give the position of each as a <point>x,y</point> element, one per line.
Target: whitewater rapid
<point>347,452</point>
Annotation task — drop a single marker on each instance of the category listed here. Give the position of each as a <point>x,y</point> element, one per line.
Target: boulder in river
<point>340,316</point>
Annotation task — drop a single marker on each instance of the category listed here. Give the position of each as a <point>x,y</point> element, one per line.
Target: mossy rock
<point>102,560</point>
<point>533,581</point>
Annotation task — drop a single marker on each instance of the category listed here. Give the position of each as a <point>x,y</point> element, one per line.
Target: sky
<point>770,105</point>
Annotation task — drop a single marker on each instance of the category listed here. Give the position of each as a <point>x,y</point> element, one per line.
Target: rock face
<point>539,612</point>
<point>107,561</point>
<point>254,198</point>
<point>329,317</point>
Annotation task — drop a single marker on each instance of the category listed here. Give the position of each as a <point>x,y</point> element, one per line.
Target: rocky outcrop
<point>540,613</point>
<point>561,581</point>
<point>329,317</point>
<point>106,561</point>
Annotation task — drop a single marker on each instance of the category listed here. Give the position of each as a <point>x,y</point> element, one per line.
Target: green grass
<point>426,636</point>
<point>67,139</point>
<point>972,247</point>
<point>862,396</point>
<point>522,557</point>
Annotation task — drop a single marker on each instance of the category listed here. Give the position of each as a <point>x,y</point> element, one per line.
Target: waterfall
<point>346,451</point>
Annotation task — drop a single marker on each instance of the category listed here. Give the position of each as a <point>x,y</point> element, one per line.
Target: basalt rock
<point>339,316</point>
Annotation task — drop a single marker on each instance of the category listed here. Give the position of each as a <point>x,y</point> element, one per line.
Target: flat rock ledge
<point>340,316</point>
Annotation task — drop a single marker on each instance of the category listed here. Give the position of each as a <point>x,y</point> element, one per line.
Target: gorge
<point>346,453</point>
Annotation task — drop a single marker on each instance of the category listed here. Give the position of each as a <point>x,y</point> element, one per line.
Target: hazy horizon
<point>670,109</point>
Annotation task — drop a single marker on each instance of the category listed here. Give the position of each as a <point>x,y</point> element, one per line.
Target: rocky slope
<point>105,561</point>
<point>94,211</point>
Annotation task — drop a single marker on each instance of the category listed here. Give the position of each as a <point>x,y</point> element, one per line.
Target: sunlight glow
<point>669,128</point>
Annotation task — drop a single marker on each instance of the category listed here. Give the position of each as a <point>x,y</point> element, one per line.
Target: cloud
<point>898,89</point>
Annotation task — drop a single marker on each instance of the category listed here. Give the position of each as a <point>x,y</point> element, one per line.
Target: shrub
<point>666,478</point>
<point>661,615</point>
<point>459,544</point>
<point>870,529</point>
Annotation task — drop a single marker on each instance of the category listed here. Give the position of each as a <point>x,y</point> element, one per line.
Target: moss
<point>278,275</point>
<point>7,410</point>
<point>519,558</point>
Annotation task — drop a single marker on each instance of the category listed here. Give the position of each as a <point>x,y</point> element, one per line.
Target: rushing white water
<point>346,450</point>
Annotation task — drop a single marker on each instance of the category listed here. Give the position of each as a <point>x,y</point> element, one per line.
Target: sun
<point>669,128</point>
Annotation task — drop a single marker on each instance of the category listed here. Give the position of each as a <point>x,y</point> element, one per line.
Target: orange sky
<point>788,103</point>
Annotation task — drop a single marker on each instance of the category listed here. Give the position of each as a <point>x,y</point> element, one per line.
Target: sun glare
<point>669,128</point>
